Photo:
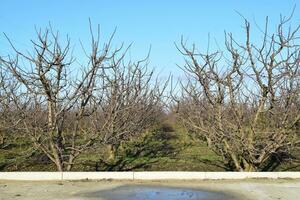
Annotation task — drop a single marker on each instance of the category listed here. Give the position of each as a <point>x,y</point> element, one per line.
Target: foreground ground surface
<point>137,190</point>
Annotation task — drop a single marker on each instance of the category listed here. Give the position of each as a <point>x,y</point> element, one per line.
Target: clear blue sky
<point>159,23</point>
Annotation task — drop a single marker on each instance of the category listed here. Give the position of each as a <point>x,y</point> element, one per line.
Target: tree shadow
<point>141,154</point>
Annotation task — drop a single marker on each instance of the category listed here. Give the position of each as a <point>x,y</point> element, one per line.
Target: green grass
<point>162,150</point>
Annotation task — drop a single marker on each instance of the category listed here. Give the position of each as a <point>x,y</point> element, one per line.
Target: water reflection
<point>132,192</point>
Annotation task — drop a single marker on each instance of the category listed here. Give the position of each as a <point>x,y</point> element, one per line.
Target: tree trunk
<point>234,157</point>
<point>111,153</point>
<point>248,167</point>
<point>59,165</point>
<point>209,142</point>
<point>2,140</point>
<point>57,158</point>
<point>70,163</point>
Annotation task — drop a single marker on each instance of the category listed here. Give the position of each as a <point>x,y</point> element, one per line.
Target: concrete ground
<point>264,189</point>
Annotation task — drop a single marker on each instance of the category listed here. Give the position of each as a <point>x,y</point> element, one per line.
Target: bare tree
<point>65,115</point>
<point>9,116</point>
<point>244,101</point>
<point>3,107</point>
<point>129,105</point>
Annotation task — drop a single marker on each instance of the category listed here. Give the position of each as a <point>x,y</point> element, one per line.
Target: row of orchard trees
<point>243,101</point>
<point>111,100</point>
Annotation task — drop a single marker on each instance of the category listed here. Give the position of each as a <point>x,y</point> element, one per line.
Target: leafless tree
<point>9,117</point>
<point>3,108</point>
<point>65,115</point>
<point>129,104</point>
<point>244,101</point>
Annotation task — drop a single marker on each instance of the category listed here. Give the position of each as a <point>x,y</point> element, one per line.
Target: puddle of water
<point>155,193</point>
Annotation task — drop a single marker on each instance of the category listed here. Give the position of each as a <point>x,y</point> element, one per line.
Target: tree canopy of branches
<point>245,101</point>
<point>63,114</point>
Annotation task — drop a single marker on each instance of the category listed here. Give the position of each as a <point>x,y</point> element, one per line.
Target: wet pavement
<point>132,192</point>
<point>264,189</point>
